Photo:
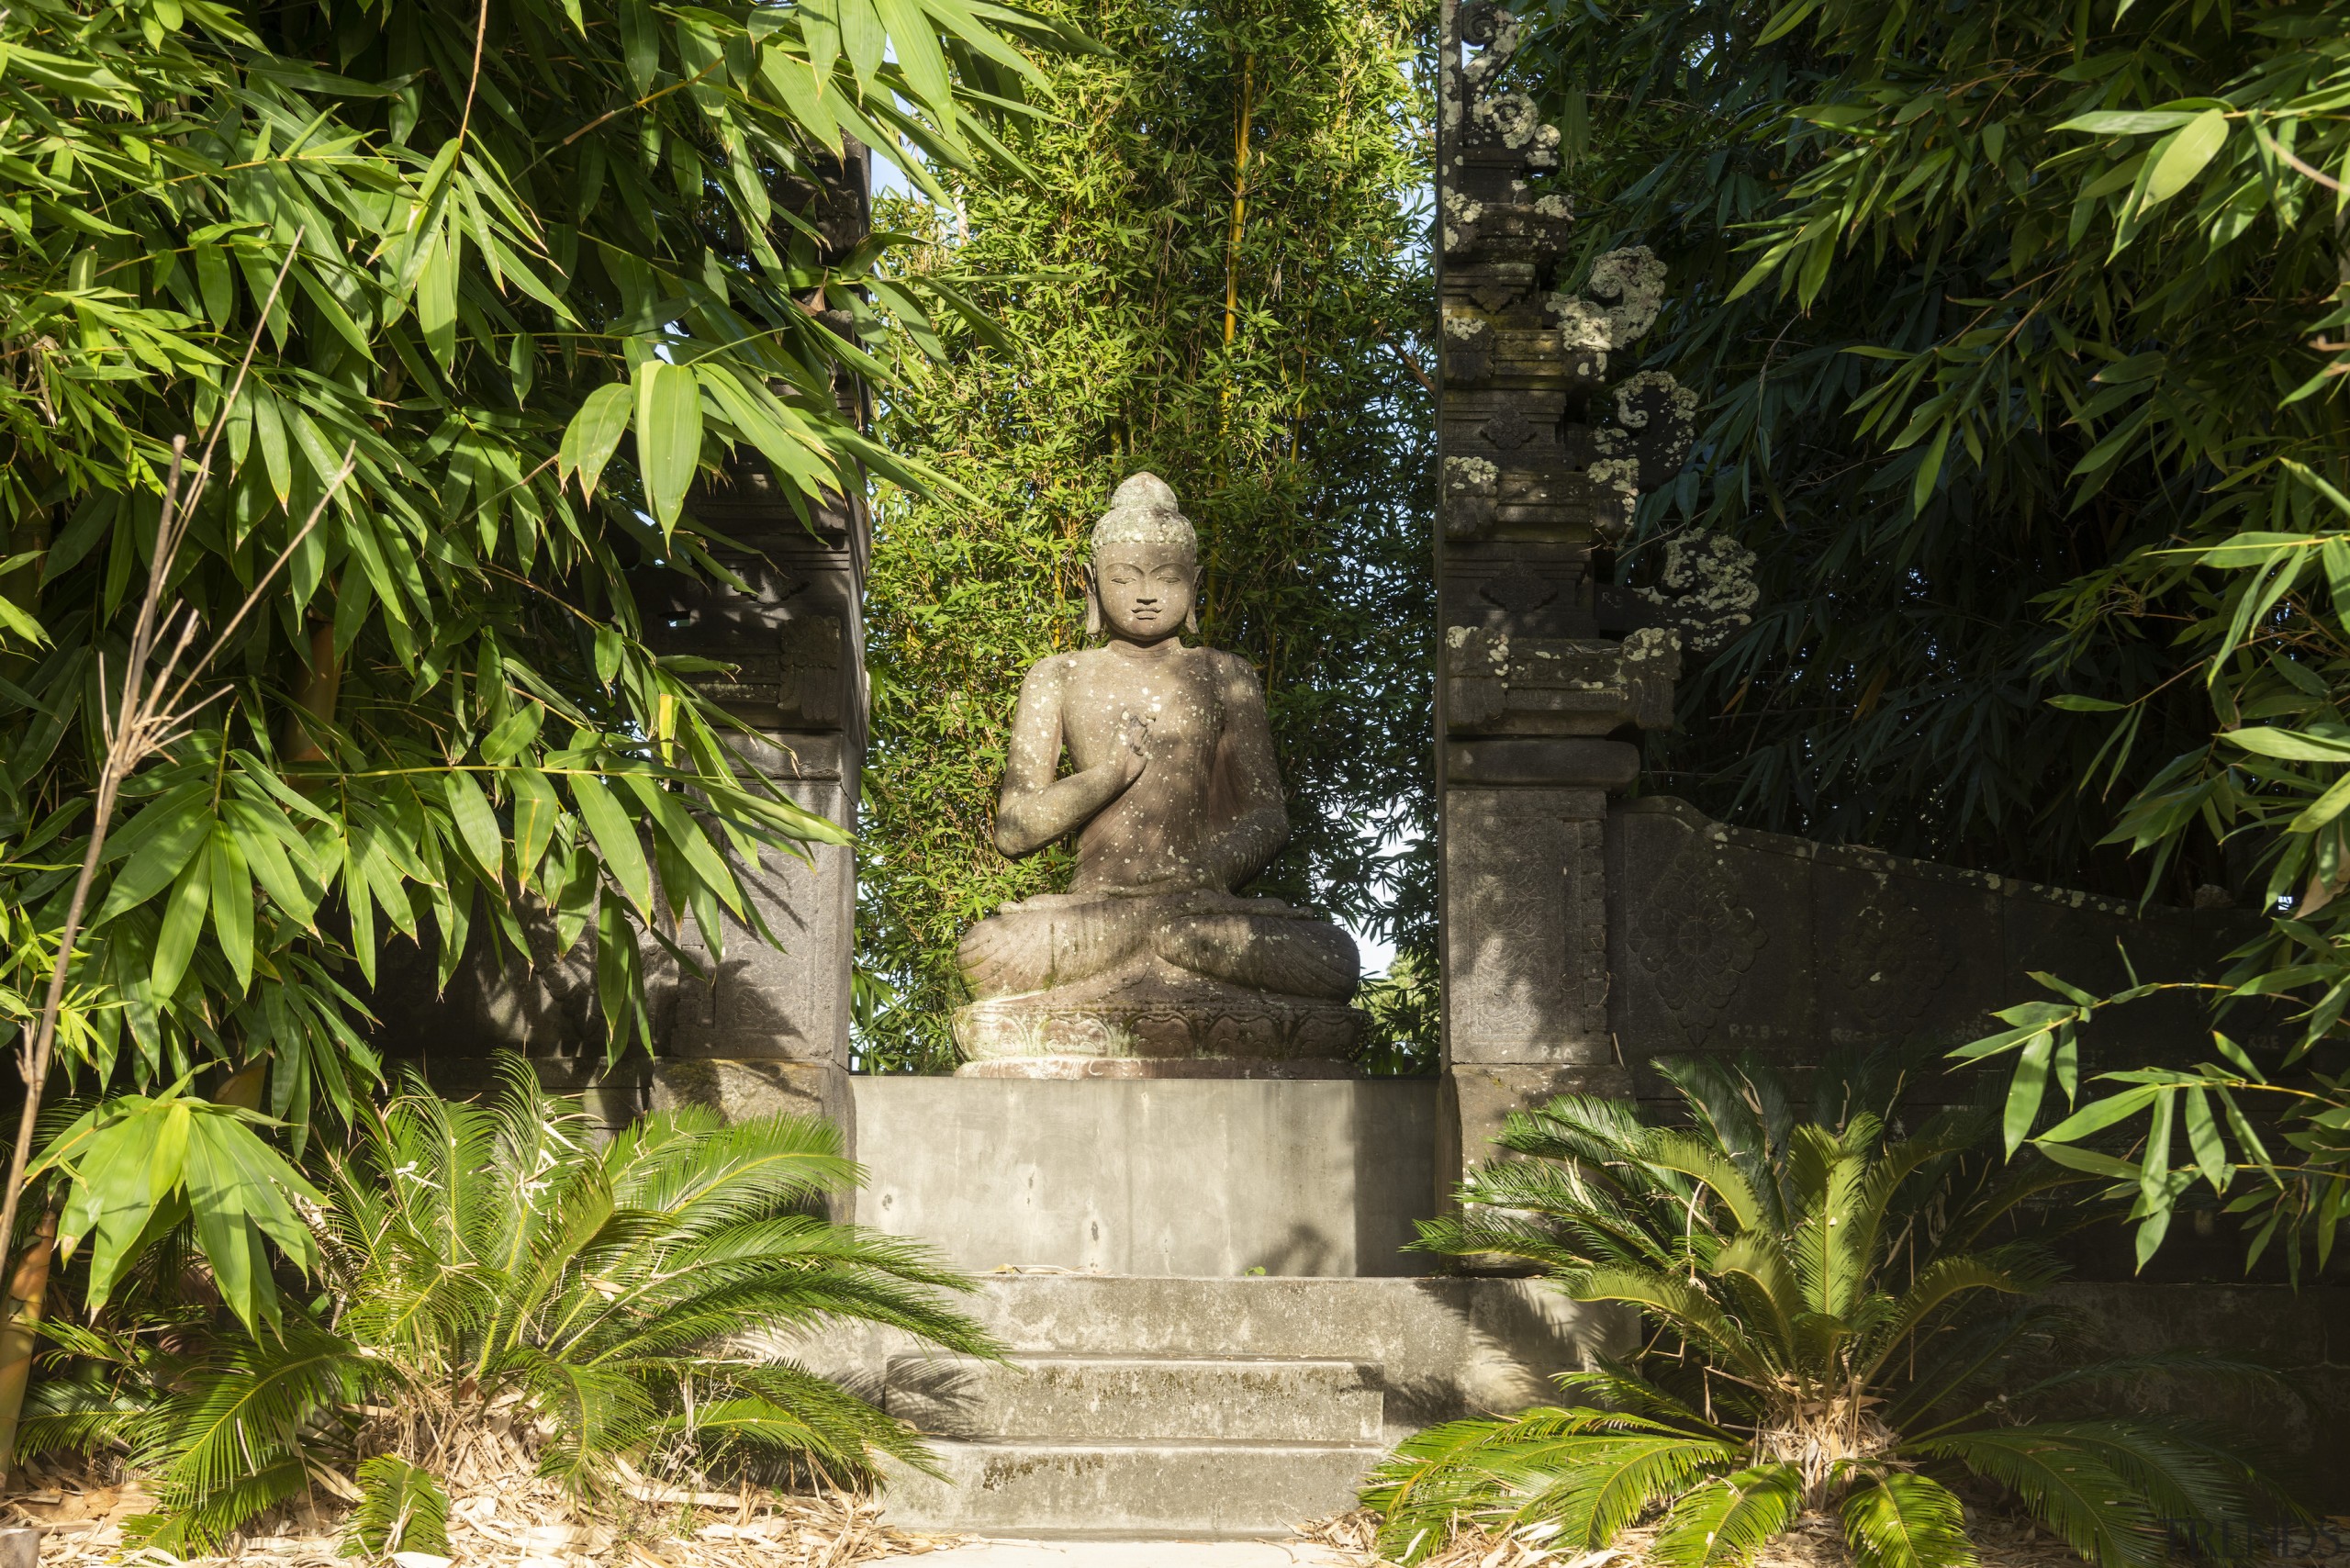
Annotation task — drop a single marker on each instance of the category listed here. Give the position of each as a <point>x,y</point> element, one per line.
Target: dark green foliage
<point>1979,368</point>
<point>2024,329</point>
<point>471,248</point>
<point>1300,447</point>
<point>500,1288</point>
<point>1838,1316</point>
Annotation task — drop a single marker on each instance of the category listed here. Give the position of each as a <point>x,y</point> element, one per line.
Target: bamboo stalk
<point>27,1290</point>
<point>1241,129</point>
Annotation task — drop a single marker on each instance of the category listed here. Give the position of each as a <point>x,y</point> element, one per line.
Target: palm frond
<point>401,1508</point>
<point>1907,1520</point>
<point>2067,1485</point>
<point>1728,1519</point>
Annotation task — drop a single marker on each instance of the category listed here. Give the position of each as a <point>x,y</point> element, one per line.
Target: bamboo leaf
<point>614,831</point>
<point>669,435</point>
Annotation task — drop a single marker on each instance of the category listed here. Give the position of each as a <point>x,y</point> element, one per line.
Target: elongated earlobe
<point>1092,607</point>
<point>1191,621</point>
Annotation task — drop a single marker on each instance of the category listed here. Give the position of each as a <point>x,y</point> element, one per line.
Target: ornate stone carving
<point>1695,937</point>
<point>1150,965</point>
<point>1527,930</point>
<point>1705,589</point>
<point>1897,972</point>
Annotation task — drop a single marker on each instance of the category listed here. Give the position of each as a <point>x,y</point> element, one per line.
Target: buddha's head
<point>1145,572</point>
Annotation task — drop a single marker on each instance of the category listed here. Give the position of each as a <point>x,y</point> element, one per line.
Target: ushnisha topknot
<point>1143,511</point>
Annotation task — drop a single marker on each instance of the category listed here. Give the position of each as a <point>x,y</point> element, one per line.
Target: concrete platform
<point>1156,1177</point>
<point>1142,1398</point>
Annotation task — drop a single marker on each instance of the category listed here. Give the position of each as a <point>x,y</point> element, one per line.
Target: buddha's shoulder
<point>1228,667</point>
<point>1053,669</point>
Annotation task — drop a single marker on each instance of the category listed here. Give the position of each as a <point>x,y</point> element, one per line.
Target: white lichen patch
<point>1679,399</point>
<point>1554,207</point>
<point>1470,475</point>
<point>1651,642</point>
<point>1635,279</point>
<point>1460,324</point>
<point>1707,584</point>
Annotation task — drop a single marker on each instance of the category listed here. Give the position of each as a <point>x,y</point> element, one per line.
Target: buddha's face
<point>1146,589</point>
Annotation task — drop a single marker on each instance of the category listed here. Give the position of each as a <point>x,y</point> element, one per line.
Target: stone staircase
<point>1198,1408</point>
<point>1117,1445</point>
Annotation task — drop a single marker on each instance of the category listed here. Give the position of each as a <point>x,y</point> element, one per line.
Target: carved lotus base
<point>1156,1021</point>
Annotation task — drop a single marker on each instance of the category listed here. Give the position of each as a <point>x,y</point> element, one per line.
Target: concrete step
<point>1234,1490</point>
<point>1139,1398</point>
<point>1452,1347</point>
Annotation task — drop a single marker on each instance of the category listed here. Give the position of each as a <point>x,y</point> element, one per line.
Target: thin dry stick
<point>33,1057</point>
<point>149,716</point>
<point>481,31</point>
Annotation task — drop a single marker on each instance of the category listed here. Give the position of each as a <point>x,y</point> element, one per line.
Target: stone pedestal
<point>1156,1021</point>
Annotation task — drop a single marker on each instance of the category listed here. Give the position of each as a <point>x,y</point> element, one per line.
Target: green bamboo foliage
<point>1219,278</point>
<point>532,265</point>
<point>1963,357</point>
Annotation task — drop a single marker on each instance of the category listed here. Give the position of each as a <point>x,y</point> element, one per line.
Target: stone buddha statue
<point>1151,965</point>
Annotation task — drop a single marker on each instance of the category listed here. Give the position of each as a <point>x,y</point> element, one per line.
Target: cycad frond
<point>780,1407</point>
<point>1546,1465</point>
<point>739,1172</point>
<point>248,1410</point>
<point>2068,1486</point>
<point>1759,1260</point>
<point>1906,1520</point>
<point>401,1508</point>
<point>1728,1520</point>
<point>494,1249</point>
<point>1624,1389</point>
<point>1938,1284</point>
<point>1743,1107</point>
<point>1694,1157</point>
<point>1593,1487</point>
<point>196,1524</point>
<point>2177,1362</point>
<point>1683,1306</point>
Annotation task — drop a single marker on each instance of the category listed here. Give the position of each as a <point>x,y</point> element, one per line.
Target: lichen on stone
<point>1707,587</point>
<point>1634,278</point>
<point>1680,400</point>
<point>1514,121</point>
<point>1470,475</point>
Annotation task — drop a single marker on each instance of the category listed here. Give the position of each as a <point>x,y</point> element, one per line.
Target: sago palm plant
<point>502,1294</point>
<point>1836,1324</point>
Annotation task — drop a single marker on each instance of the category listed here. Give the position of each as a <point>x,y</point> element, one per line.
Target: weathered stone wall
<point>1721,940</point>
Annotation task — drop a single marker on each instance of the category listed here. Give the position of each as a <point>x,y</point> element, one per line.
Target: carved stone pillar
<point>1547,667</point>
<point>768,1027</point>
